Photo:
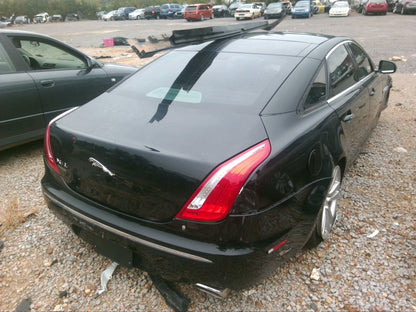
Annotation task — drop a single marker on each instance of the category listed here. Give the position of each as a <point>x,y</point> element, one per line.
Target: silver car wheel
<point>329,206</point>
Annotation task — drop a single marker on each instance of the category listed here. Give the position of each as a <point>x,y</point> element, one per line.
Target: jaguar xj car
<point>218,160</point>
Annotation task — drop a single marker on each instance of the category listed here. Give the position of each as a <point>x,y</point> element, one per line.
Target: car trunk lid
<point>123,158</point>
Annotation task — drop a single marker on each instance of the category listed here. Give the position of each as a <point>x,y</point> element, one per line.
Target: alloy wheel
<point>329,206</point>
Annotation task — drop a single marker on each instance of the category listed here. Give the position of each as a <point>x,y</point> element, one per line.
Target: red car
<point>375,6</point>
<point>198,12</point>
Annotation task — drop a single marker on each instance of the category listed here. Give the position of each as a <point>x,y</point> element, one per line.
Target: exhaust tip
<point>218,293</point>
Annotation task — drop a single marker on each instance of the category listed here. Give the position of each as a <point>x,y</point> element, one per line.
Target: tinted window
<point>317,93</point>
<point>209,78</point>
<point>341,70</point>
<point>361,59</point>
<point>43,56</point>
<point>6,65</point>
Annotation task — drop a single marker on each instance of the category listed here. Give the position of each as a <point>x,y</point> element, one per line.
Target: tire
<point>328,212</point>
<point>237,18</point>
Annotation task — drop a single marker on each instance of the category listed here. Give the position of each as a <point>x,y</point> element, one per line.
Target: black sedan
<point>217,161</point>
<point>274,10</point>
<point>40,77</point>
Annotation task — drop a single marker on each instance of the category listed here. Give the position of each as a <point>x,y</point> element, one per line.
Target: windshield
<point>235,5</point>
<point>233,80</point>
<point>340,5</point>
<point>302,4</point>
<point>274,6</point>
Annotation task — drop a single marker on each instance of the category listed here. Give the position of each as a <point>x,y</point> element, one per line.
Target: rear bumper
<point>376,10</point>
<point>168,255</point>
<point>300,14</point>
<point>273,15</point>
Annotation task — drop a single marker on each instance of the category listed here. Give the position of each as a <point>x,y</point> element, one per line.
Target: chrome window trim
<point>127,235</point>
<point>354,86</point>
<point>349,89</point>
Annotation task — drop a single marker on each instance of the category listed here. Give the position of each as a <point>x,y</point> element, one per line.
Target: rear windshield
<point>233,80</point>
<point>274,5</point>
<point>190,8</point>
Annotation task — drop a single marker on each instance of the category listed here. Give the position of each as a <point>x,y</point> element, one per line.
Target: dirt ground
<point>123,55</point>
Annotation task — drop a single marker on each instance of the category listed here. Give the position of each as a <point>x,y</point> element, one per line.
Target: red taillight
<point>170,10</point>
<point>47,141</point>
<point>214,198</point>
<point>48,150</point>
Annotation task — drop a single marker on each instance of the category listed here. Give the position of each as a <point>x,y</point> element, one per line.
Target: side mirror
<point>386,67</point>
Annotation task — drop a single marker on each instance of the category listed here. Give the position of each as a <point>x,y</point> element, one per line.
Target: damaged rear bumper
<point>161,253</point>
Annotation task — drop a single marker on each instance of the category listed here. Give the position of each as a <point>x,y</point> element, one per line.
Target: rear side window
<point>341,70</point>
<point>317,92</point>
<point>364,67</point>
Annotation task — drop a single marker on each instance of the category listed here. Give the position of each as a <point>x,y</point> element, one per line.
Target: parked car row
<point>43,17</point>
<point>404,6</point>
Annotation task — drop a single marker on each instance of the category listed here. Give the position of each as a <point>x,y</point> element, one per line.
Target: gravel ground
<point>368,264</point>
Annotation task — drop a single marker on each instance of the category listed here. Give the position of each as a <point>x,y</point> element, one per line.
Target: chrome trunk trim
<point>127,235</point>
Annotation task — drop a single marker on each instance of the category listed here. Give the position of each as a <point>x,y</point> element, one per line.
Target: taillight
<point>213,199</point>
<point>50,159</point>
<point>48,150</point>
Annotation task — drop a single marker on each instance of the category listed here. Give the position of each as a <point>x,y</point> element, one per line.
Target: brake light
<point>50,159</point>
<point>48,150</point>
<point>213,199</point>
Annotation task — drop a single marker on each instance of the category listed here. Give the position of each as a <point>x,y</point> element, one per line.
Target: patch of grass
<point>11,216</point>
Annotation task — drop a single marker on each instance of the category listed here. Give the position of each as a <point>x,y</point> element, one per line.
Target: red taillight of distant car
<point>213,200</point>
<point>48,150</point>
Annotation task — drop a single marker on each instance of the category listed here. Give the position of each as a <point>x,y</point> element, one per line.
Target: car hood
<point>156,163</point>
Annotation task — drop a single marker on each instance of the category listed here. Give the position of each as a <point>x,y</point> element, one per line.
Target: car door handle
<point>47,83</point>
<point>348,117</point>
<point>372,92</point>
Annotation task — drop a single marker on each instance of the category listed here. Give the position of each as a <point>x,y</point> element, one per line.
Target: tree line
<point>87,8</point>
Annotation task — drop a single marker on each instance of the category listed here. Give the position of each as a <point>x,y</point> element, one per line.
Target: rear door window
<point>6,65</point>
<point>341,70</point>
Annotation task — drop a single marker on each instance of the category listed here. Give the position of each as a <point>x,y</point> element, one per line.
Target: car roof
<point>22,33</point>
<point>275,43</point>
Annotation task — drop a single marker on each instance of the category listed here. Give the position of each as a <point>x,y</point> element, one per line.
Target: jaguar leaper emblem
<point>95,163</point>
